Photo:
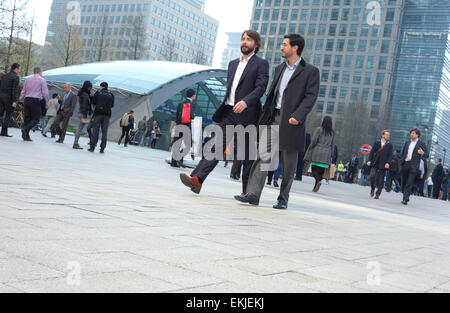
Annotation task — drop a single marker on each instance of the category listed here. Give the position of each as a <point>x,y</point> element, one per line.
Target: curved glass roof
<point>140,77</point>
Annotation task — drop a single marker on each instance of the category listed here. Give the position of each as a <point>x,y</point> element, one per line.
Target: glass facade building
<point>168,30</point>
<point>388,56</point>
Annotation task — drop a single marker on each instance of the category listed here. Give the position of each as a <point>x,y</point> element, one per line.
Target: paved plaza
<point>73,221</point>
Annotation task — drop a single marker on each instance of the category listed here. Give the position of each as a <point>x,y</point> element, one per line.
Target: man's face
<point>414,136</point>
<point>17,70</point>
<point>248,45</point>
<point>386,136</point>
<point>66,87</point>
<point>287,50</point>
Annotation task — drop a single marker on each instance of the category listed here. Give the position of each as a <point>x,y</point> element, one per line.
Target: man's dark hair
<point>190,93</point>
<point>416,130</point>
<point>15,66</point>
<point>104,85</point>
<point>440,160</point>
<point>253,34</point>
<point>37,70</point>
<point>54,95</point>
<point>296,40</point>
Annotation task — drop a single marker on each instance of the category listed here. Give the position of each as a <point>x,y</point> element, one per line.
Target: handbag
<point>85,120</point>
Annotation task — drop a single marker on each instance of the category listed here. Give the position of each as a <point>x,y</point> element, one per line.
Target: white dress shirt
<point>412,146</point>
<point>237,78</point>
<point>287,75</point>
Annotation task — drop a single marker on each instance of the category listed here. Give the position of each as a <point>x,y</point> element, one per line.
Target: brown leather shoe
<point>372,193</point>
<point>192,182</point>
<point>317,187</point>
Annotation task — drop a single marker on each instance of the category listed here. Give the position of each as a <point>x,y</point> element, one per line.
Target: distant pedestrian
<point>69,103</point>
<point>34,90</point>
<point>9,94</point>
<point>142,129</point>
<point>53,108</point>
<point>185,116</point>
<point>393,175</point>
<point>414,151</point>
<point>127,124</point>
<point>366,173</point>
<point>445,183</point>
<point>353,168</point>
<point>85,111</point>
<point>430,185</point>
<point>103,102</point>
<point>380,160</point>
<point>154,135</point>
<point>438,176</point>
<point>340,172</point>
<point>301,159</point>
<point>320,152</point>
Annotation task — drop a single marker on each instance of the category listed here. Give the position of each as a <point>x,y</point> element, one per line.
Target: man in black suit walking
<point>185,116</point>
<point>291,98</point>
<point>413,152</point>
<point>9,94</point>
<point>379,160</point>
<point>438,177</point>
<point>247,81</point>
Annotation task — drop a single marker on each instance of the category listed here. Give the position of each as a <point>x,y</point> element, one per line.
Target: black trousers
<point>317,173</point>
<point>100,121</point>
<point>376,179</point>
<point>409,176</point>
<point>6,111</point>
<point>175,139</point>
<point>32,114</point>
<point>126,134</point>
<point>205,167</point>
<point>236,169</point>
<point>300,165</point>
<point>390,178</point>
<point>65,119</point>
<point>437,189</point>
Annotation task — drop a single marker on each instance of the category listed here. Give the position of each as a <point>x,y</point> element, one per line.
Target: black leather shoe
<point>281,205</point>
<point>9,136</point>
<point>298,178</point>
<point>405,202</point>
<point>59,141</point>
<point>275,184</point>
<point>91,150</point>
<point>102,151</point>
<point>250,199</point>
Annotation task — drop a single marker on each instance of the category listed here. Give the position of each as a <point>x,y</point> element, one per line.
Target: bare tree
<point>14,24</point>
<point>103,42</point>
<point>354,130</point>
<point>200,57</point>
<point>137,35</point>
<point>69,46</point>
<point>168,51</point>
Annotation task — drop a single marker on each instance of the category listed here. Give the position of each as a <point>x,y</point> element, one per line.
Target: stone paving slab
<point>127,223</point>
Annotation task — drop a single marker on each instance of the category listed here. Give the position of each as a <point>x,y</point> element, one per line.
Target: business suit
<point>438,177</point>
<point>250,89</point>
<point>9,93</point>
<point>410,168</point>
<point>64,114</point>
<point>297,101</point>
<point>379,157</point>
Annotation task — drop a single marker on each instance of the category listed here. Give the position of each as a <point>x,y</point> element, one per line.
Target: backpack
<point>104,102</point>
<point>125,121</point>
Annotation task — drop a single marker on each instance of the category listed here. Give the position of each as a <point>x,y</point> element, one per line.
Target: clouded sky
<point>233,15</point>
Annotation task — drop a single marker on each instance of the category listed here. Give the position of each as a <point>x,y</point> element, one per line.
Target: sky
<point>233,16</point>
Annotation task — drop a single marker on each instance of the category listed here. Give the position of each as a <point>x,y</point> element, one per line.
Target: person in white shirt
<point>430,185</point>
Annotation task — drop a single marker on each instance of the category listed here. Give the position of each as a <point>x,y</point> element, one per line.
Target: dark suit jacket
<point>416,157</point>
<point>379,160</point>
<point>298,100</point>
<point>69,105</point>
<point>251,88</point>
<point>353,167</point>
<point>180,110</point>
<point>438,174</point>
<point>9,87</point>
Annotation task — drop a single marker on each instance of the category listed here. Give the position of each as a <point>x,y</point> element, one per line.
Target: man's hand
<point>293,121</point>
<point>369,163</point>
<point>14,105</point>
<point>46,106</point>
<point>421,152</point>
<point>387,166</point>
<point>240,107</point>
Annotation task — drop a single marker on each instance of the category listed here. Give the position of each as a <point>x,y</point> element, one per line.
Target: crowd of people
<point>53,115</point>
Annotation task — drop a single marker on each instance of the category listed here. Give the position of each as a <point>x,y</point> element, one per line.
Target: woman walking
<point>84,98</point>
<point>320,153</point>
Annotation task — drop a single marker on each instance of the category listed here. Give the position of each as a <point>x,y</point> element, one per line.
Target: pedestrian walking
<point>65,112</point>
<point>320,153</point>
<point>84,112</point>
<point>291,97</point>
<point>34,90</point>
<point>9,94</point>
<point>430,185</point>
<point>438,176</point>
<point>53,108</point>
<point>380,161</point>
<point>127,124</point>
<point>142,129</point>
<point>413,152</point>
<point>103,102</point>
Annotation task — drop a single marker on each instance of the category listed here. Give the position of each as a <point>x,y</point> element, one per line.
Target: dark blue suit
<point>250,89</point>
<point>410,169</point>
